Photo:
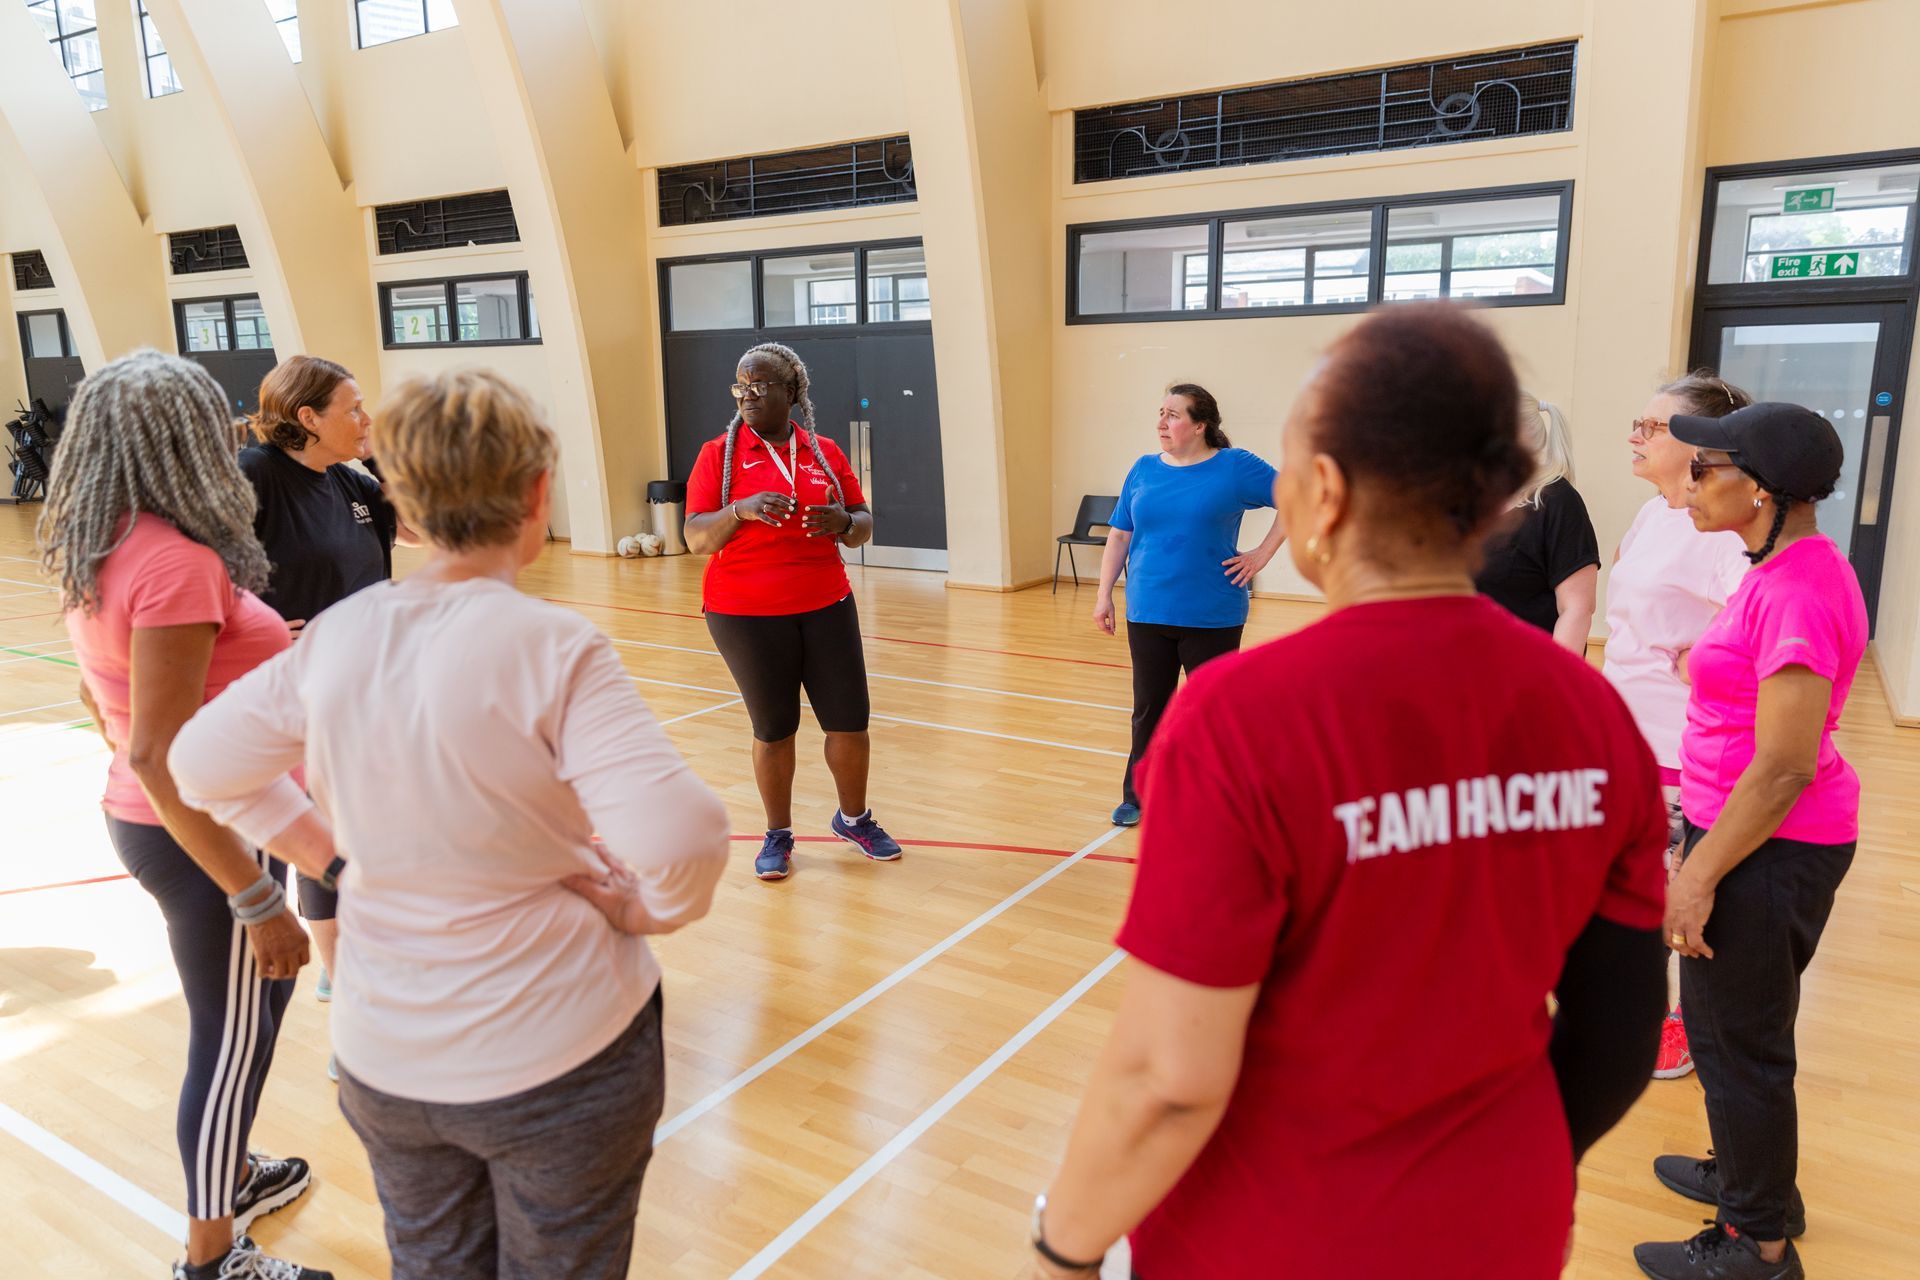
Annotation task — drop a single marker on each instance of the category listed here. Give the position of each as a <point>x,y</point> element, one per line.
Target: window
<point>810,288</point>
<point>710,295</point>
<point>1504,247</point>
<point>848,176</point>
<point>1821,224</point>
<point>222,324</point>
<point>44,336</point>
<point>209,249</point>
<point>1158,268</point>
<point>73,29</point>
<point>161,77</point>
<point>286,20</point>
<point>1506,93</point>
<point>30,271</point>
<point>471,311</point>
<point>384,21</point>
<point>452,222</point>
<point>897,285</point>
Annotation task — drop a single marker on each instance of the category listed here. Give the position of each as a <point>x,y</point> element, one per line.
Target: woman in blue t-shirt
<point>1176,530</point>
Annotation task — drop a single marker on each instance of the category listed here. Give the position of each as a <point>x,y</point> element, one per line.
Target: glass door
<point>1845,362</point>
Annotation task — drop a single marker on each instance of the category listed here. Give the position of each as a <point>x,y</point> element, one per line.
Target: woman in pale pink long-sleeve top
<point>498,1019</point>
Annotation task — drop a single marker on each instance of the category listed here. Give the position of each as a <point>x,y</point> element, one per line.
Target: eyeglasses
<point>1697,467</point>
<point>1646,428</point>
<point>759,389</point>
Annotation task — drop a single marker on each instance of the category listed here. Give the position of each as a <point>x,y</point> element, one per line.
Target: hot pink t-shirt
<point>159,577</point>
<point>1799,607</point>
<point>1666,586</point>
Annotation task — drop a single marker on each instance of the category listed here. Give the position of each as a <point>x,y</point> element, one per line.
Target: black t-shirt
<point>1553,541</point>
<point>328,533</point>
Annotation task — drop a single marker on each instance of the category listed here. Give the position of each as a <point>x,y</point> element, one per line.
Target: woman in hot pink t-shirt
<point>1772,817</point>
<point>149,531</point>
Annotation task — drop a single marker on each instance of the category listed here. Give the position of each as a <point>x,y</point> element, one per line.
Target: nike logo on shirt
<point>748,466</point>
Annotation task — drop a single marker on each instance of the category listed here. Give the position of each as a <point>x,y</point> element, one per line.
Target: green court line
<point>44,657</point>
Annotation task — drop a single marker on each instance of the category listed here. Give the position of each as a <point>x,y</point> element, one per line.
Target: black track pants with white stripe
<point>233,1013</point>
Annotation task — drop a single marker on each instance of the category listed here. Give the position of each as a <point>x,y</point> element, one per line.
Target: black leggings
<point>1741,1007</point>
<point>233,1014</point>
<point>772,657</point>
<point>1159,653</point>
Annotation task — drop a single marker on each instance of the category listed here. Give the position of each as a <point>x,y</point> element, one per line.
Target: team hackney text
<point>1472,808</point>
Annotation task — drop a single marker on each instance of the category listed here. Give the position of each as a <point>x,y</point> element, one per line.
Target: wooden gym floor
<point>872,1068</point>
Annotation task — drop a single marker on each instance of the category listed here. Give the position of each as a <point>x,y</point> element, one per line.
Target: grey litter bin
<point>667,513</point>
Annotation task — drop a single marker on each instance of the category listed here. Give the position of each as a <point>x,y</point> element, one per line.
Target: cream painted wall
<point>406,117</point>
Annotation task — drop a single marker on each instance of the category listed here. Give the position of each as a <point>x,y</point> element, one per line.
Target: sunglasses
<point>1697,467</point>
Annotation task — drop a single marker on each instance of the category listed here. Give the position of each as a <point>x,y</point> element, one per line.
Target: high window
<point>470,311</point>
<point>73,29</point>
<point>384,21</point>
<point>161,78</point>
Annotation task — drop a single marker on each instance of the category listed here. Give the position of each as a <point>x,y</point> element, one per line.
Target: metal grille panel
<point>848,176</point>
<point>30,271</point>
<point>209,249</point>
<point>1506,94</point>
<point>452,222</point>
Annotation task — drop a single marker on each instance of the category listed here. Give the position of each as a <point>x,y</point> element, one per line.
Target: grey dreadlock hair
<point>146,433</point>
<point>797,383</point>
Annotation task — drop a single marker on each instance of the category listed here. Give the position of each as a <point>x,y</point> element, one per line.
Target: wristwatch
<point>1046,1250</point>
<point>330,878</point>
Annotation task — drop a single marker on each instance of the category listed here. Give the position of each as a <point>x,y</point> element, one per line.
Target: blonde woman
<point>497,1022</point>
<point>1545,567</point>
<point>149,532</point>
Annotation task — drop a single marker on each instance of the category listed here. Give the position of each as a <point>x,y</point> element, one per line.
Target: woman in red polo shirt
<point>1371,850</point>
<point>772,504</point>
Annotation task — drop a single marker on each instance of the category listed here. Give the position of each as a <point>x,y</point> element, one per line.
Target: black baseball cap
<point>1790,449</point>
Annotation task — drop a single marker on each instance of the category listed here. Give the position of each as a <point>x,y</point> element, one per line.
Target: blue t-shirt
<point>1184,522</point>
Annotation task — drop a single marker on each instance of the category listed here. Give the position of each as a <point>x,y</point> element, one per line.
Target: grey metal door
<point>896,448</point>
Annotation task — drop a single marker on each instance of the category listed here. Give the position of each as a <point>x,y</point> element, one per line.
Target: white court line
<point>37,591</point>
<point>95,1174</point>
<point>1005,737</point>
<point>880,1159</point>
<point>872,993</point>
<point>675,684</point>
<point>718,706</point>
<point>35,644</point>
<point>70,702</point>
<point>37,586</point>
<point>30,657</point>
<point>874,675</point>
<point>21,559</point>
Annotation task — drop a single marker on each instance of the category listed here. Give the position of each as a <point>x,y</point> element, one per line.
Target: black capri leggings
<point>233,1014</point>
<point>773,657</point>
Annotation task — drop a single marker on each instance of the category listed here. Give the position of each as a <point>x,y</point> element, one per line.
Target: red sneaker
<point>1675,1059</point>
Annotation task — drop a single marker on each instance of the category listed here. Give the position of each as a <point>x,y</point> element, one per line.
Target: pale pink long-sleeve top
<point>466,742</point>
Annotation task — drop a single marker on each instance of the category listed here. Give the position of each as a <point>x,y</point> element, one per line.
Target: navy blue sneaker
<point>866,835</point>
<point>1126,814</point>
<point>776,856</point>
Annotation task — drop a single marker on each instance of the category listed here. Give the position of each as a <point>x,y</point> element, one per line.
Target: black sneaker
<point>245,1262</point>
<point>1721,1252</point>
<point>1700,1180</point>
<point>271,1184</point>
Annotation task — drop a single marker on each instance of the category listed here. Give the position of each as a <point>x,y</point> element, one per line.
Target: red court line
<point>924,844</point>
<point>931,644</point>
<point>64,884</point>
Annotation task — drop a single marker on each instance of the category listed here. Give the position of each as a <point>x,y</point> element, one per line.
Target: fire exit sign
<point>1809,266</point>
<point>1810,200</point>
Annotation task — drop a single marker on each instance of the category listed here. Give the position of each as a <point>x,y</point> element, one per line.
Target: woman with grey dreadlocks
<point>148,529</point>
<point>769,499</point>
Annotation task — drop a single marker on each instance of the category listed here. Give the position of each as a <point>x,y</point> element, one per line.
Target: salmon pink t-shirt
<point>159,577</point>
<point>1801,606</point>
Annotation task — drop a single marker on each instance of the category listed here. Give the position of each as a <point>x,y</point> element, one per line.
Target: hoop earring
<point>1315,553</point>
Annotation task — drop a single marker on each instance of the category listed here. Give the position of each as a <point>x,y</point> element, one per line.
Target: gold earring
<point>1315,553</point>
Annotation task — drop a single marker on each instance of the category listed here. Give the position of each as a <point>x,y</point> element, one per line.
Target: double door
<point>873,394</point>
<point>1846,362</point>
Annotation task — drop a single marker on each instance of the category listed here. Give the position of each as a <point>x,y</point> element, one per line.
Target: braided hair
<point>146,433</point>
<point>1781,502</point>
<point>798,384</point>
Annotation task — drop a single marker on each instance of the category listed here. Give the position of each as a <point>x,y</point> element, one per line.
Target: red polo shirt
<point>766,569</point>
<point>1396,842</point>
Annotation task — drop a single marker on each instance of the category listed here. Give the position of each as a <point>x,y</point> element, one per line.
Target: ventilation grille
<point>30,271</point>
<point>848,176</point>
<point>211,249</point>
<point>1508,94</point>
<point>454,222</point>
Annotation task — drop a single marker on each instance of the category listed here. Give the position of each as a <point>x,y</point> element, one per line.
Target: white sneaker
<point>245,1262</point>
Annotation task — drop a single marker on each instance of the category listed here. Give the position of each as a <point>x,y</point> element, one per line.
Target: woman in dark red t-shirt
<point>772,502</point>
<point>1371,850</point>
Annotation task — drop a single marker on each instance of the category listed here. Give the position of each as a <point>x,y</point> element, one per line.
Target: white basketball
<point>629,547</point>
<point>651,544</point>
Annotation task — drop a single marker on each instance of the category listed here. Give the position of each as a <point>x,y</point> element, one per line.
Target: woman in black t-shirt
<point>326,527</point>
<point>1545,567</point>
